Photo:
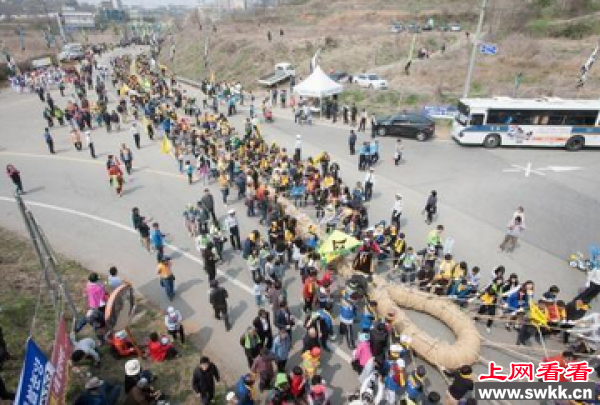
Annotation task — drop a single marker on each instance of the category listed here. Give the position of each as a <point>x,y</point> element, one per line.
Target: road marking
<point>343,355</point>
<point>88,161</point>
<point>528,169</point>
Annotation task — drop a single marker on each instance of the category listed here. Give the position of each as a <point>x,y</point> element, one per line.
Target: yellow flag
<point>538,318</point>
<point>166,146</point>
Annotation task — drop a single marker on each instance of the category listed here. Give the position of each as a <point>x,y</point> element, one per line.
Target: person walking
<point>397,211</point>
<point>76,139</point>
<point>208,202</point>
<point>158,240</point>
<point>398,149</point>
<point>173,323</point>
<point>90,144</point>
<point>353,115</point>
<point>231,224</point>
<point>211,258</point>
<point>127,158</point>
<point>262,324</point>
<point>49,140</point>
<point>166,277</point>
<point>352,142</point>
<point>298,149</point>
<point>282,345</point>
<point>514,230</point>
<point>204,380</point>
<point>374,152</point>
<point>15,176</point>
<point>369,182</point>
<point>363,157</point>
<point>252,345</point>
<point>430,207</point>
<point>135,131</point>
<point>217,297</point>
<point>363,120</point>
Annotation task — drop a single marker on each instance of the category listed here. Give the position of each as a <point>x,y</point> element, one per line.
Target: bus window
<point>499,117</point>
<point>477,119</point>
<point>581,117</point>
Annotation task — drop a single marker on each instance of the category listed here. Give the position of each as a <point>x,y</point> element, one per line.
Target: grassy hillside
<point>545,40</point>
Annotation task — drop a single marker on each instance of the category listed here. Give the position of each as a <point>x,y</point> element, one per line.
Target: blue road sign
<point>488,49</point>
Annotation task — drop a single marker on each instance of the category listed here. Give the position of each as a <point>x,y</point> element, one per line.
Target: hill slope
<point>545,40</point>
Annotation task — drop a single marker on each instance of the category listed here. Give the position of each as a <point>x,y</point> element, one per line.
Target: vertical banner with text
<point>60,360</point>
<point>35,379</point>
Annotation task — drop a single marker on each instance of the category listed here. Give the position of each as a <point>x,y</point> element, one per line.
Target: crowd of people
<point>210,151</point>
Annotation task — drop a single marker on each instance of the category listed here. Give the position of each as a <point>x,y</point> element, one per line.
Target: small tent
<point>318,85</point>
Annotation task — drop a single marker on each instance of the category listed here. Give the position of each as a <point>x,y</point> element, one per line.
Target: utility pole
<point>61,29</point>
<point>467,88</point>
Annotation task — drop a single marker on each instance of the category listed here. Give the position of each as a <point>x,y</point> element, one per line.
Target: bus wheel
<point>575,143</point>
<point>492,141</point>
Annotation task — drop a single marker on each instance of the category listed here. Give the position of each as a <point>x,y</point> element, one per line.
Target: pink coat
<point>363,353</point>
<point>95,295</point>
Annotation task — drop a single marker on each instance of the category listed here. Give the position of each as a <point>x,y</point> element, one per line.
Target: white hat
<point>405,339</point>
<point>400,363</point>
<point>398,195</point>
<point>298,136</point>
<point>121,334</point>
<point>164,340</point>
<point>230,396</point>
<point>132,367</point>
<point>170,310</point>
<point>231,211</point>
<point>93,383</point>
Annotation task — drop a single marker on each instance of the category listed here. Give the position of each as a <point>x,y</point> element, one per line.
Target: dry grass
<point>354,36</point>
<point>18,296</point>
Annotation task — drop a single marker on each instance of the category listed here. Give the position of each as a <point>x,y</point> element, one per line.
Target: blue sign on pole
<point>36,377</point>
<point>488,49</point>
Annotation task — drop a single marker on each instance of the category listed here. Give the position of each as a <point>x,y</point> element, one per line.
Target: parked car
<point>370,80</point>
<point>427,27</point>
<point>339,76</point>
<point>444,27</point>
<point>414,28</point>
<point>414,125</point>
<point>397,28</point>
<point>73,51</point>
<point>455,27</point>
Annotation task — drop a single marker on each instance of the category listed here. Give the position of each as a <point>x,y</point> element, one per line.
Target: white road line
<point>343,355</point>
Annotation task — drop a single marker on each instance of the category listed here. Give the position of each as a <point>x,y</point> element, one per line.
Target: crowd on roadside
<point>208,150</point>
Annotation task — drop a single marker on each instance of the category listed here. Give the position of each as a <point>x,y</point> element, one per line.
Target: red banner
<point>60,359</point>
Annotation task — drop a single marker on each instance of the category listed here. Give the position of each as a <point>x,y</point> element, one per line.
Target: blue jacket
<point>281,347</point>
<point>243,394</point>
<point>347,312</point>
<point>517,301</point>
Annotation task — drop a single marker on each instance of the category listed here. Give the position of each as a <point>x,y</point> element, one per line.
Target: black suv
<point>413,125</point>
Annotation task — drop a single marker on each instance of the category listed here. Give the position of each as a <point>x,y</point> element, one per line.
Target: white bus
<point>505,121</point>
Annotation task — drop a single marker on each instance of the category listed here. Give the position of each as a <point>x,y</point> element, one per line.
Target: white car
<point>370,80</point>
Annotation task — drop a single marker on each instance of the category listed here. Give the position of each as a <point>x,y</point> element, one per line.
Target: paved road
<point>69,194</point>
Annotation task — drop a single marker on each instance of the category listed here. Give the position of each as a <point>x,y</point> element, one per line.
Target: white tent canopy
<point>318,84</point>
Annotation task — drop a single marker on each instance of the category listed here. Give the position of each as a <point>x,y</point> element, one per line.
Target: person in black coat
<point>283,318</point>
<point>262,324</point>
<point>379,338</point>
<point>204,379</point>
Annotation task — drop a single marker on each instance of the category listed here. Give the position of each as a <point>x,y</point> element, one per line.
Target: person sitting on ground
<point>161,348</point>
<point>121,344</point>
<point>143,394</point>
